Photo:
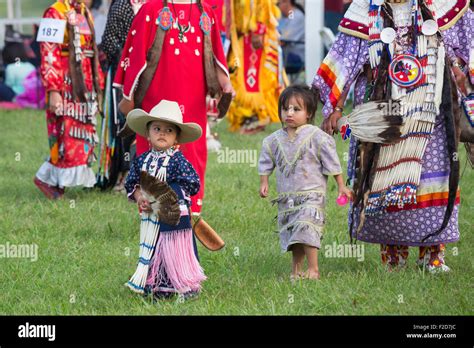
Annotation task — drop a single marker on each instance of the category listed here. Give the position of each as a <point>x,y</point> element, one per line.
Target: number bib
<point>51,30</point>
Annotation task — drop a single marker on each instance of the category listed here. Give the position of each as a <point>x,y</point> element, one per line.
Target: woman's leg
<point>432,257</point>
<point>394,255</point>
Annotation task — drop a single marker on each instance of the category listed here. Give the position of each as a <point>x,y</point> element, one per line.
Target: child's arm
<point>341,187</point>
<point>263,186</point>
<point>132,185</point>
<point>266,165</point>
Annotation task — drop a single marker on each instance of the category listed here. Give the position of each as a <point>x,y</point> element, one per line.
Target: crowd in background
<point>21,87</point>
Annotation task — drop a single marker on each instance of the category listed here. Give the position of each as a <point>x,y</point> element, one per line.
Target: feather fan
<point>375,122</point>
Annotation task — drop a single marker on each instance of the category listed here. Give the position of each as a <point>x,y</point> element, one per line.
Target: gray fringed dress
<point>303,165</point>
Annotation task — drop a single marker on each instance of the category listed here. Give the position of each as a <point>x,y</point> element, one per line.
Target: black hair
<point>308,96</point>
<point>297,5</point>
<point>14,51</point>
<point>294,4</point>
<point>96,4</point>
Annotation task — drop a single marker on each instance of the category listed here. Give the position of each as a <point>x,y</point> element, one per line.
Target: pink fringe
<point>175,255</point>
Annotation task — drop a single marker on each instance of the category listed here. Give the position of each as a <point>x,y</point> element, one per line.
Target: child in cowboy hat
<point>174,267</point>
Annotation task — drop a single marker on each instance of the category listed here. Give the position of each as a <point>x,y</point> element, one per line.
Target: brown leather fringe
<point>152,60</point>
<point>452,112</point>
<point>381,89</point>
<point>79,89</point>
<point>95,63</point>
<point>210,68</point>
<point>368,153</point>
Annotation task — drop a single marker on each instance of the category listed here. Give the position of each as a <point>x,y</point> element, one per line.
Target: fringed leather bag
<point>467,119</point>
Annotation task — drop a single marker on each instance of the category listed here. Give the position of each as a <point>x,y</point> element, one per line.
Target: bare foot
<point>313,275</point>
<point>298,276</point>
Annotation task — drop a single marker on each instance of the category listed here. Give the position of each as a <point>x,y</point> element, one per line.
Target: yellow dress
<point>256,74</point>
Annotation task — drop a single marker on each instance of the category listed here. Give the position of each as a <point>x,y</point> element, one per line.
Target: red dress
<point>180,73</point>
<point>71,131</point>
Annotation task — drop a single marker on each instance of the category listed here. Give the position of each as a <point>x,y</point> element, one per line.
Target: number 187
<point>49,31</point>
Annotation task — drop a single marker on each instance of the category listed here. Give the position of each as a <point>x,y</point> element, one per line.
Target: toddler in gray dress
<point>304,157</point>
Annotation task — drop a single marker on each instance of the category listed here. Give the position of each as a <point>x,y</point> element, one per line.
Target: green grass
<point>29,8</point>
<point>88,248</point>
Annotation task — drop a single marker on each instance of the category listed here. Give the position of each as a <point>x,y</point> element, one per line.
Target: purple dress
<point>411,224</point>
<point>303,165</point>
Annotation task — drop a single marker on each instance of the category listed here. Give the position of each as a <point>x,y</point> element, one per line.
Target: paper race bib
<point>51,30</point>
<point>226,45</point>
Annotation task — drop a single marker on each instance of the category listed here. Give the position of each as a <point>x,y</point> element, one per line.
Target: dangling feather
<point>368,157</point>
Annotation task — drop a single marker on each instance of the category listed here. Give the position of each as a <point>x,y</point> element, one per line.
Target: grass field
<point>88,246</point>
<point>29,8</point>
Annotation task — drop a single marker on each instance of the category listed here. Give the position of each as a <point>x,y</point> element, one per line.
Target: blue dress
<point>176,245</point>
<point>179,170</point>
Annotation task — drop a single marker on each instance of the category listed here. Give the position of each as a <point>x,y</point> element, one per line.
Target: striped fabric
<point>432,192</point>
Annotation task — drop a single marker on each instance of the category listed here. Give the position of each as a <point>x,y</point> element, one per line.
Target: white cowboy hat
<point>166,111</point>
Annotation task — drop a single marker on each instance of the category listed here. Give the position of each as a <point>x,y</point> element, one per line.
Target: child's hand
<point>144,205</point>
<point>263,186</point>
<point>344,190</point>
<point>263,190</point>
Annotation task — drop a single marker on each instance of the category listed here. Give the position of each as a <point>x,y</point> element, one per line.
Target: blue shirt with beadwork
<point>179,171</point>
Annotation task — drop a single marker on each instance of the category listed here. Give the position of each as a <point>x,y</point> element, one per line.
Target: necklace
<point>183,29</point>
<point>405,70</point>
